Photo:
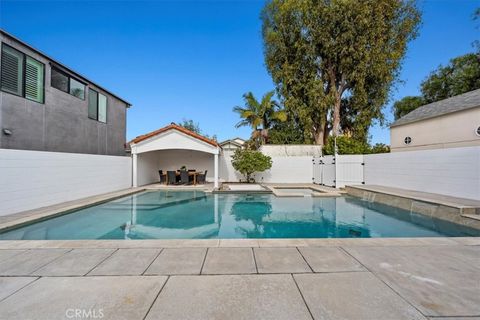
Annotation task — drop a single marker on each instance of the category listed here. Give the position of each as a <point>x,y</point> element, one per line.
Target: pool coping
<point>234,243</point>
<point>430,205</point>
<point>45,213</point>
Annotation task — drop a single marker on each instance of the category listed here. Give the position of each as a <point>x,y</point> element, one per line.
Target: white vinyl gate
<point>338,171</point>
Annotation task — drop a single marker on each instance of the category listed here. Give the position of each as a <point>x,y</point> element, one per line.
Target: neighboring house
<point>47,106</point>
<point>449,123</point>
<point>232,144</point>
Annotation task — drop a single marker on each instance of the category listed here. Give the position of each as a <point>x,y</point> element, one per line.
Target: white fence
<point>297,169</point>
<point>338,171</point>
<point>33,179</point>
<point>451,171</point>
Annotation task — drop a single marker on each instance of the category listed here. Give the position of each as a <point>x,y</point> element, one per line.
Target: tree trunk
<point>336,115</point>
<point>326,134</point>
<point>319,136</point>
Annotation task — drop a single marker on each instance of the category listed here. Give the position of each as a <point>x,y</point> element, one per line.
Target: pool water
<point>197,215</point>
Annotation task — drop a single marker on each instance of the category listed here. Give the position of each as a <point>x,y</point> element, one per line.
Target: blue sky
<point>186,59</point>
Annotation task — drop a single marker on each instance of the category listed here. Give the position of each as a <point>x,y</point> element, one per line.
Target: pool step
<point>474,216</point>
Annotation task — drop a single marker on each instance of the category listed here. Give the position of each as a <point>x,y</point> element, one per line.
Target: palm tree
<point>260,115</point>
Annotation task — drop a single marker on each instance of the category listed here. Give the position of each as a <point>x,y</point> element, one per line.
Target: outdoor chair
<point>163,178</point>
<point>171,177</point>
<point>184,177</point>
<point>202,177</point>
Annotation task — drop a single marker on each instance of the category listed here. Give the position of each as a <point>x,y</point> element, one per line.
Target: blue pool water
<point>196,215</point>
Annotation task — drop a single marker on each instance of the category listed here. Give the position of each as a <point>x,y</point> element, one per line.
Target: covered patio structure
<point>169,149</point>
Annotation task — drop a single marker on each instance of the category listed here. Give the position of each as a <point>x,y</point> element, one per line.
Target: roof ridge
<point>173,126</point>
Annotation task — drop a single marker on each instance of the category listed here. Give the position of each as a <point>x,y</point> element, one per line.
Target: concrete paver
<point>98,297</point>
<point>229,261</point>
<point>273,297</point>
<point>280,260</point>
<point>5,254</point>
<point>178,261</point>
<point>438,280</point>
<point>352,295</point>
<point>25,263</point>
<point>126,262</point>
<point>77,262</point>
<point>329,259</point>
<point>9,285</point>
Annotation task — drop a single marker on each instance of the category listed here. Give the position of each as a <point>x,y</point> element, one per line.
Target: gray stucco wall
<point>61,124</point>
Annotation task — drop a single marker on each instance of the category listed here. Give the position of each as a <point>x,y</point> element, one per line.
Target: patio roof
<point>173,126</point>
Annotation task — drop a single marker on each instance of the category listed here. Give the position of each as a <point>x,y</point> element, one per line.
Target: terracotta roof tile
<point>173,126</point>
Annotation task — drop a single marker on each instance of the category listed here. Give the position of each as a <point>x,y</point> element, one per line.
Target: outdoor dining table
<point>190,173</point>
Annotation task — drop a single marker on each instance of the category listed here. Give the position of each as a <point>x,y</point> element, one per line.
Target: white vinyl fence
<point>33,179</point>
<point>451,171</point>
<point>338,171</point>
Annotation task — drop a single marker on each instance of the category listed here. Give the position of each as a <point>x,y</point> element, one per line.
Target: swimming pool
<point>197,215</point>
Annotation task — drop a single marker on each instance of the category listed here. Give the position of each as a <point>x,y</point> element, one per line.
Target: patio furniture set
<point>182,177</point>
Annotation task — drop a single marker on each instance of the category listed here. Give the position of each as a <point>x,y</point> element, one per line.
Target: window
<point>34,80</point>
<point>77,89</point>
<point>62,81</point>
<point>407,140</point>
<point>59,80</point>
<point>22,75</point>
<point>97,106</point>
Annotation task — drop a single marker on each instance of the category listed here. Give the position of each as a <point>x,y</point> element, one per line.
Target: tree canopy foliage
<point>348,145</point>
<point>260,115</point>
<point>248,162</point>
<point>460,75</point>
<point>406,105</point>
<point>193,126</point>
<point>334,62</point>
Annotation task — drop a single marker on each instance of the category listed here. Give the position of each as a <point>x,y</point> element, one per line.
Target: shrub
<point>248,162</point>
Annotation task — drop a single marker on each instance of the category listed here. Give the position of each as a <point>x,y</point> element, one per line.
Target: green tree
<point>346,145</point>
<point>193,126</point>
<point>406,105</point>
<point>260,115</point>
<point>380,148</point>
<point>321,52</point>
<point>248,162</point>
<point>349,145</point>
<point>287,132</point>
<point>462,74</point>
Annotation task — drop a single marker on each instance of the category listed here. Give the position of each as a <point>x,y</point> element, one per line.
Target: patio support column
<point>215,170</point>
<point>134,170</point>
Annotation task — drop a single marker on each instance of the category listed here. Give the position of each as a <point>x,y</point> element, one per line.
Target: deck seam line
<point>28,284</point>
<point>106,258</point>
<point>153,260</point>
<point>391,288</point>
<point>156,297</point>
<point>31,273</point>
<point>298,250</point>
<point>203,262</point>
<point>254,259</point>
<point>301,295</point>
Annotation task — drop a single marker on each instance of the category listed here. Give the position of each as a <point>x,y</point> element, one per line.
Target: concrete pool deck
<point>379,278</point>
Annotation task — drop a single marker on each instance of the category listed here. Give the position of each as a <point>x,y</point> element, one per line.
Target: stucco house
<point>232,144</point>
<point>47,106</point>
<point>449,123</point>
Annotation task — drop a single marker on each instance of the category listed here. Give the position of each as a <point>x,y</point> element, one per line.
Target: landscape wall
<point>452,171</point>
<point>33,179</point>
